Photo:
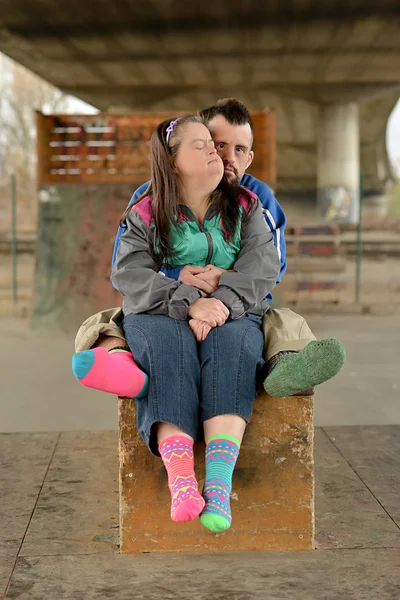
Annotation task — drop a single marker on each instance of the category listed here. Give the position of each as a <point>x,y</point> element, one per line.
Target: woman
<point>201,353</point>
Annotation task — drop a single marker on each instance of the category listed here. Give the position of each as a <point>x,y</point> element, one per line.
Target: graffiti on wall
<point>338,204</point>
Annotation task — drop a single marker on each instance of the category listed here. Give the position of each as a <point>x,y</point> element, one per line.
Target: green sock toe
<point>214,523</point>
<point>319,361</point>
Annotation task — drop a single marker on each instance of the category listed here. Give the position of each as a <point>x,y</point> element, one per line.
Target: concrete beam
<point>142,96</point>
<point>161,15</point>
<point>152,57</point>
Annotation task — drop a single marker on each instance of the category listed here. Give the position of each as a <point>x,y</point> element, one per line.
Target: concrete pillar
<point>338,163</point>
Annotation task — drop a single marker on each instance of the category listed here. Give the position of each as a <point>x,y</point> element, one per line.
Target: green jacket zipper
<point>209,242</point>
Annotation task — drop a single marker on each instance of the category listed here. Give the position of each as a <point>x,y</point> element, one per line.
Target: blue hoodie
<point>273,215</point>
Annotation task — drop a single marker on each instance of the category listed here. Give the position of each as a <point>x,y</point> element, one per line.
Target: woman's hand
<point>200,329</point>
<point>189,276</point>
<point>211,276</point>
<point>210,310</point>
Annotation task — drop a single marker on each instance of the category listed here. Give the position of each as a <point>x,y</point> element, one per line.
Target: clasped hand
<point>205,313</point>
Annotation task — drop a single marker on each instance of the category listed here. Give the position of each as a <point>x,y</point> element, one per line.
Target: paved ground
<point>59,528</point>
<point>59,490</point>
<point>39,392</point>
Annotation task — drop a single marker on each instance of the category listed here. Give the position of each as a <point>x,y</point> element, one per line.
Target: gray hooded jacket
<point>243,290</point>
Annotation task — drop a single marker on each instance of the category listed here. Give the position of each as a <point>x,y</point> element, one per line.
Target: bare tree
<point>21,94</point>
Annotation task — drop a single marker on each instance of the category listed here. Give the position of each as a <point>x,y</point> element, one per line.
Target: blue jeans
<point>190,382</point>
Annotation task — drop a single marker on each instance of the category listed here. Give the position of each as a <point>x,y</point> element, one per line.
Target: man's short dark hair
<point>234,112</point>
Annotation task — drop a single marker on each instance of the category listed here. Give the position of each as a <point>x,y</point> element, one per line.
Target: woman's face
<point>197,161</point>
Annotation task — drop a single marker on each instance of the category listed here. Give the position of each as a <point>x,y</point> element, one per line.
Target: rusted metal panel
<point>273,486</point>
<point>107,148</point>
<point>266,122</point>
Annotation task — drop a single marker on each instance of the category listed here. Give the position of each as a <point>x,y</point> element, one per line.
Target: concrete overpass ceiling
<point>107,51</point>
<point>156,14</point>
<point>180,55</point>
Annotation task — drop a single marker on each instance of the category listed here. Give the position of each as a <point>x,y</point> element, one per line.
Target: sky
<point>392,132</point>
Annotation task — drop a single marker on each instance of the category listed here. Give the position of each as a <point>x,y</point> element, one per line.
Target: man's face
<point>233,144</point>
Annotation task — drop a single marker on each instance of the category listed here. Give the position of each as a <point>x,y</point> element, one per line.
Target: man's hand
<point>200,329</point>
<point>211,275</point>
<point>189,276</point>
<point>210,310</point>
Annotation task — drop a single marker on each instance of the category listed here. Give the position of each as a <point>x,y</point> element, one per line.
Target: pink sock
<point>115,372</point>
<point>177,455</point>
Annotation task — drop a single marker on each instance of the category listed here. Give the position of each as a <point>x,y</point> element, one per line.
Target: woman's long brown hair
<point>164,189</point>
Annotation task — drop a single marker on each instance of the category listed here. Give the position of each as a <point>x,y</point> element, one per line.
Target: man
<point>295,360</point>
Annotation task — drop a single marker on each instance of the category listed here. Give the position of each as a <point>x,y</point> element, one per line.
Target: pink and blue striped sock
<point>177,455</point>
<point>221,456</point>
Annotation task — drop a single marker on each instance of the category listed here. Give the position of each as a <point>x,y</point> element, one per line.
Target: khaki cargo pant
<point>284,330</point>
